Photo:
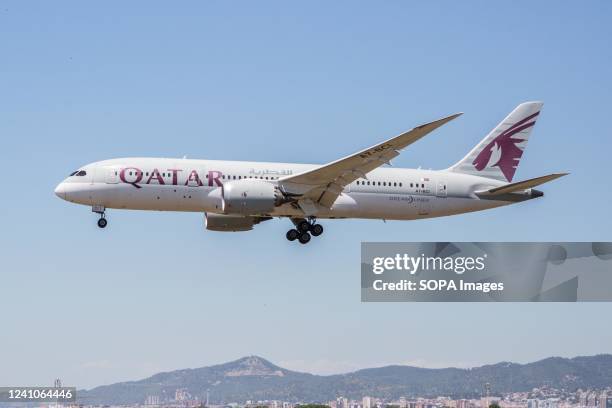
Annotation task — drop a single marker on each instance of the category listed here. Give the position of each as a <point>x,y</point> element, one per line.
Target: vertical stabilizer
<point>498,155</point>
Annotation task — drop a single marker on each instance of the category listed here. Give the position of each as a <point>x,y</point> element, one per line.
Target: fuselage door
<point>441,190</point>
<point>112,175</point>
<point>427,193</point>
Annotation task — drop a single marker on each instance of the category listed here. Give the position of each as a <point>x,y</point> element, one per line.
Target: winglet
<point>440,122</point>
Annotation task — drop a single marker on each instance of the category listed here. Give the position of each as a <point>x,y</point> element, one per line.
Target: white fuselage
<point>195,185</point>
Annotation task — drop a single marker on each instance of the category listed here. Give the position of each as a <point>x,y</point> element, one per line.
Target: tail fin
<point>497,156</point>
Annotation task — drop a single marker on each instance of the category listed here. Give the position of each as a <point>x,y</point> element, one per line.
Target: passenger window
<point>422,185</point>
<point>400,184</point>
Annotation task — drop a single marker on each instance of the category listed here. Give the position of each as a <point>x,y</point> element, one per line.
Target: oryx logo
<point>503,151</point>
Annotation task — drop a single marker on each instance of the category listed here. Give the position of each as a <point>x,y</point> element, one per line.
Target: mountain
<point>254,378</point>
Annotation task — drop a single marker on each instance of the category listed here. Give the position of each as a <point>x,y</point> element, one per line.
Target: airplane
<point>237,195</point>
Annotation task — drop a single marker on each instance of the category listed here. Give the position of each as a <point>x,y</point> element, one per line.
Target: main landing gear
<point>304,229</point>
<point>102,222</point>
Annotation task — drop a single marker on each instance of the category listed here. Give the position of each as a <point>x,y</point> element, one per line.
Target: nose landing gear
<point>304,229</point>
<point>102,222</point>
<point>99,209</point>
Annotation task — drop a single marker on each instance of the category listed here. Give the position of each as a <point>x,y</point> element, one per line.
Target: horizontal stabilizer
<point>521,185</point>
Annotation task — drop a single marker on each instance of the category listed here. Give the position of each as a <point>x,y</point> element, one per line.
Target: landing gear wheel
<point>102,222</point>
<point>292,234</point>
<point>304,238</point>
<point>303,226</point>
<point>316,229</point>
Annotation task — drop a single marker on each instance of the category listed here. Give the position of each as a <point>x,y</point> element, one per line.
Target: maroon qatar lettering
<point>194,178</point>
<point>155,174</point>
<point>124,174</point>
<point>214,175</point>
<point>134,176</point>
<point>174,176</point>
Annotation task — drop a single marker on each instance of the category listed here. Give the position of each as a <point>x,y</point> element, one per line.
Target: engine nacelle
<point>230,223</point>
<point>249,197</point>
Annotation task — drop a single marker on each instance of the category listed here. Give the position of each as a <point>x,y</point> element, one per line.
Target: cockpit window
<point>73,173</point>
<point>81,173</point>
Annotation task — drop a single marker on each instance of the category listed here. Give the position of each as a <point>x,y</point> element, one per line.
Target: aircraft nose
<point>60,191</point>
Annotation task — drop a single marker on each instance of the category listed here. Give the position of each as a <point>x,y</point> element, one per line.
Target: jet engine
<point>251,197</point>
<point>231,223</point>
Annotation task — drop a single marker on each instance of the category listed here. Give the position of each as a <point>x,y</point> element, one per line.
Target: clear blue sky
<point>281,81</point>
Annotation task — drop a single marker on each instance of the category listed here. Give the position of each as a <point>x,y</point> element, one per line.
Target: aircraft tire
<point>303,226</point>
<point>304,238</point>
<point>316,229</point>
<point>102,223</point>
<point>292,234</point>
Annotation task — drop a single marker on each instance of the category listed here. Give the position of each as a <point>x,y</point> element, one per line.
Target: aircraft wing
<point>324,184</point>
